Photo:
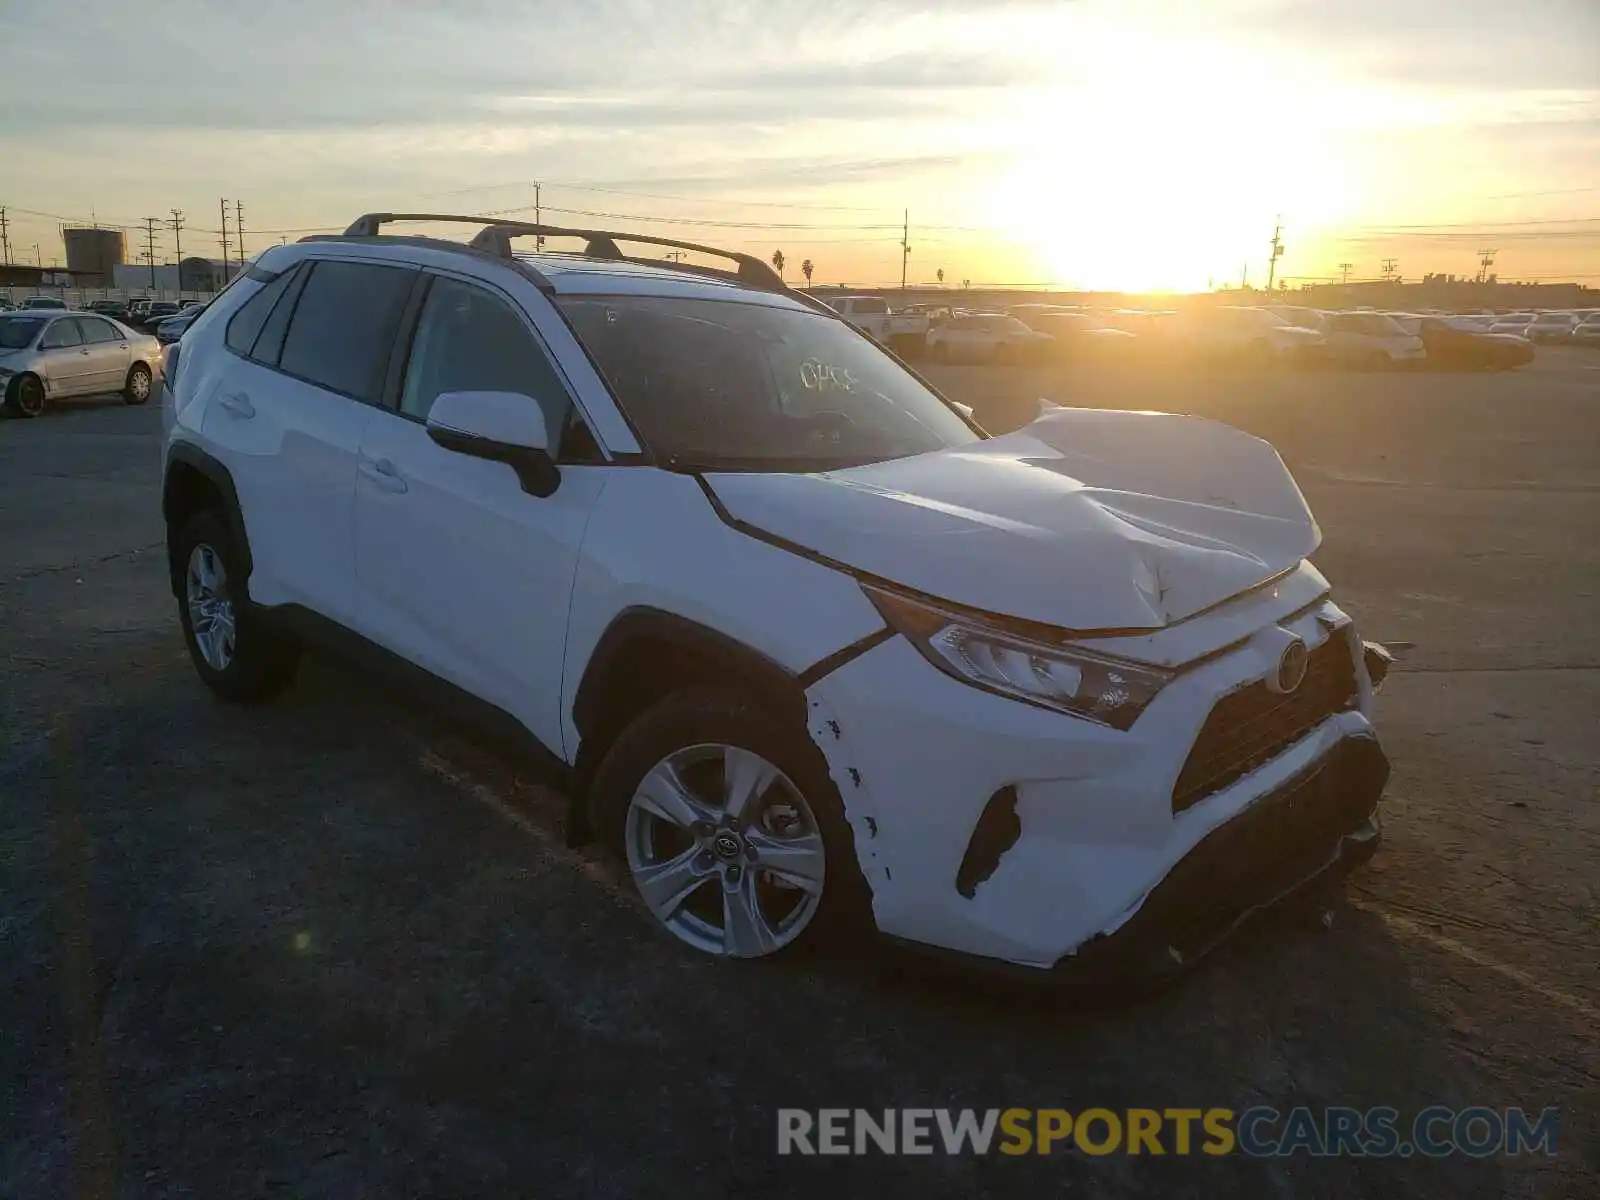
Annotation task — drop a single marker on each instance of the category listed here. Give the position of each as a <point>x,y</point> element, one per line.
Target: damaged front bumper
<point>1317,828</point>
<point>993,829</point>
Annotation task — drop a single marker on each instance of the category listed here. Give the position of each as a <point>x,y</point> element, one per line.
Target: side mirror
<point>505,427</point>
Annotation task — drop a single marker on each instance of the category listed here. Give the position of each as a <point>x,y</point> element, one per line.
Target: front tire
<point>235,653</point>
<point>729,825</point>
<point>139,384</point>
<point>25,396</point>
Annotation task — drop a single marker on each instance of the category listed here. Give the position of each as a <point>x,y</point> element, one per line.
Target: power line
<point>177,242</point>
<point>5,237</point>
<point>238,225</point>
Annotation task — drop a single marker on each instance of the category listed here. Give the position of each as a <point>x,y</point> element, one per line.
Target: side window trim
<point>412,317</point>
<point>394,379</point>
<point>301,272</point>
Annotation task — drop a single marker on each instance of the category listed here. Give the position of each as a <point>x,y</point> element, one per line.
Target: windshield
<point>17,333</point>
<point>728,385</point>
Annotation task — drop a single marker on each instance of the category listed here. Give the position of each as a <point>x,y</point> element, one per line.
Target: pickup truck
<point>904,333</point>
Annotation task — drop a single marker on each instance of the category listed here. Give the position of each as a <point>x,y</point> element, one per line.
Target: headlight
<point>1069,679</point>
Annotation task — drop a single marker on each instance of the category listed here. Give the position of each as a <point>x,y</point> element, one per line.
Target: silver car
<point>53,355</point>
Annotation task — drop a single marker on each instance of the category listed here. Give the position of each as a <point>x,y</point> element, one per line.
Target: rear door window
<point>61,334</point>
<point>93,331</point>
<point>344,324</point>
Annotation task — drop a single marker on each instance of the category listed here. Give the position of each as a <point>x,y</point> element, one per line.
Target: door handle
<point>384,473</point>
<point>238,404</point>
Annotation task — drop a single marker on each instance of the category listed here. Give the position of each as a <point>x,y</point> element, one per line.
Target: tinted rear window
<point>344,324</point>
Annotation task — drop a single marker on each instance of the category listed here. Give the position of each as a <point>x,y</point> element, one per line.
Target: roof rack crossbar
<point>494,237</point>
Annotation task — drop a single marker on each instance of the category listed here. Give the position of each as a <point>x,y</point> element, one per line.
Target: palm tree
<point>777,262</point>
<point>805,269</point>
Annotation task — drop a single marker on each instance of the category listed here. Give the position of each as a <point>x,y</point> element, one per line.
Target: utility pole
<point>238,225</point>
<point>1277,253</point>
<point>5,237</point>
<point>905,248</point>
<point>177,242</point>
<point>1344,273</point>
<point>538,240</point>
<point>1390,269</point>
<point>150,248</point>
<point>224,239</point>
<point>1485,261</point>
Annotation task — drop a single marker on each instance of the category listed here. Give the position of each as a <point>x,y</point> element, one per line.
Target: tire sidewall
<point>701,715</point>
<point>13,398</point>
<point>262,664</point>
<point>128,394</point>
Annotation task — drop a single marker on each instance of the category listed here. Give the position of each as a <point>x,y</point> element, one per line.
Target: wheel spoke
<point>665,886</point>
<point>799,861</point>
<point>208,570</point>
<point>663,793</point>
<point>746,777</point>
<point>745,931</point>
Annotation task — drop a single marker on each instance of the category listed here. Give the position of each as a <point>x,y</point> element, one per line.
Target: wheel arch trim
<point>191,456</point>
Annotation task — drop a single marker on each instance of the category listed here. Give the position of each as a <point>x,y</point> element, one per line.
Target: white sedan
<point>1372,341</point>
<point>987,338</point>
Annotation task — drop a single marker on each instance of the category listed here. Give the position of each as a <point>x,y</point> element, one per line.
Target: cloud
<point>1494,45</point>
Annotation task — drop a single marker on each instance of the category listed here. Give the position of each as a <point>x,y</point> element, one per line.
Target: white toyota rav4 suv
<point>806,645</point>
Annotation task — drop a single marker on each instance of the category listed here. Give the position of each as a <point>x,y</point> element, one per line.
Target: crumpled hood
<point>1089,520</point>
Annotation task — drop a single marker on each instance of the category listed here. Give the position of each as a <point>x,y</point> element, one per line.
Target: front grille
<point>1255,724</point>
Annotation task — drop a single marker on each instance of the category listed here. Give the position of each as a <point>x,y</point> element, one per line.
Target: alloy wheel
<point>725,851</point>
<point>211,616</point>
<point>139,384</point>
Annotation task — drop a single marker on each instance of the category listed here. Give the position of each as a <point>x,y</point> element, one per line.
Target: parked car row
<point>140,312</point>
<point>1287,335</point>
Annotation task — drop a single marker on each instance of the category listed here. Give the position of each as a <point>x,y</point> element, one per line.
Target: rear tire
<point>237,655</point>
<point>703,724</point>
<point>137,388</point>
<point>25,396</point>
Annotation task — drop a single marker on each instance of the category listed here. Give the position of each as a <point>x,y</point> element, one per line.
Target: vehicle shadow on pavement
<point>323,967</point>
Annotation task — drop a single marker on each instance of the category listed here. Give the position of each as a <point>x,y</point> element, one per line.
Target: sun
<point>1165,185</point>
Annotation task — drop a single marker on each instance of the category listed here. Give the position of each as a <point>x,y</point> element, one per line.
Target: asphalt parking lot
<point>326,948</point>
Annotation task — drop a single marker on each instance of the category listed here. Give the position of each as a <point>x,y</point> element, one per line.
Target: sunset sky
<point>1104,143</point>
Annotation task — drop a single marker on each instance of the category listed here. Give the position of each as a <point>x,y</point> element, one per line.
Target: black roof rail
<point>494,237</point>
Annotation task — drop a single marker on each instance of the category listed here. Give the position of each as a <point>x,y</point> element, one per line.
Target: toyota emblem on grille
<point>1291,667</point>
